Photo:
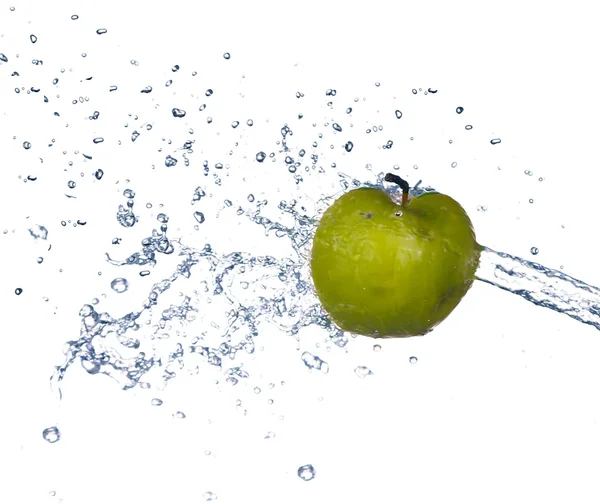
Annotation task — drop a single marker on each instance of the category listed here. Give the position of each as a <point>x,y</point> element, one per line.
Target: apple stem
<point>390,177</point>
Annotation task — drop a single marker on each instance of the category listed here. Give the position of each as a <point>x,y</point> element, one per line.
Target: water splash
<point>541,286</point>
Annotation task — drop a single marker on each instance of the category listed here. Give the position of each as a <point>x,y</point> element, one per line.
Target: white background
<point>502,403</point>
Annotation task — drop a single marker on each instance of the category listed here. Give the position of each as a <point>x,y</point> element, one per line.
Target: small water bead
<point>178,113</point>
<point>534,250</point>
<point>71,184</point>
<point>38,231</point>
<point>299,94</point>
<point>468,127</point>
<point>101,31</point>
<point>459,110</point>
<point>530,200</point>
<point>330,92</point>
<point>415,167</point>
<point>251,198</point>
<point>454,164</point>
<point>135,135</point>
<point>175,68</point>
<point>209,120</point>
<point>129,193</point>
<point>226,55</point>
<point>495,141</point>
<point>377,348</point>
<point>235,124</point>
<point>99,174</point>
<point>202,107</point>
<point>40,260</point>
<point>250,122</point>
<point>337,127</point>
<point>98,140</point>
<point>306,472</point>
<point>362,371</point>
<point>413,360</point>
<point>33,38</point>
<point>74,17</point>
<point>414,91</point>
<point>209,92</point>
<point>199,216</point>
<point>257,390</point>
<point>18,291</point>
<point>529,173</point>
<point>261,156</point>
<point>119,285</point>
<point>209,496</point>
<point>170,161</point>
<point>26,145</point>
<point>398,114</point>
<point>51,434</point>
<point>313,362</point>
<point>377,84</point>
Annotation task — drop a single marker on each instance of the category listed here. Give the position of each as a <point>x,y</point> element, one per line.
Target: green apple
<point>384,268</point>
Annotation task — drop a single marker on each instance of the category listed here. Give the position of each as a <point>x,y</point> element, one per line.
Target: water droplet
<point>170,161</point>
<point>459,110</point>
<point>199,216</point>
<point>257,390</point>
<point>209,92</point>
<point>33,39</point>
<point>51,434</point>
<point>38,231</point>
<point>250,122</point>
<point>495,141</point>
<point>129,193</point>
<point>119,285</point>
<point>306,472</point>
<point>313,362</point>
<point>179,414</point>
<point>534,250</point>
<point>209,496</point>
<point>330,92</point>
<point>226,55</point>
<point>26,145</point>
<point>377,348</point>
<point>398,114</point>
<point>251,198</point>
<point>530,200</point>
<point>348,146</point>
<point>414,91</point>
<point>468,127</point>
<point>178,112</point>
<point>529,173</point>
<point>3,58</point>
<point>261,156</point>
<point>101,31</point>
<point>175,68</point>
<point>337,127</point>
<point>99,174</point>
<point>18,291</point>
<point>454,164</point>
<point>74,17</point>
<point>98,140</point>
<point>161,217</point>
<point>362,371</point>
<point>413,360</point>
<point>432,91</point>
<point>40,260</point>
<point>235,124</point>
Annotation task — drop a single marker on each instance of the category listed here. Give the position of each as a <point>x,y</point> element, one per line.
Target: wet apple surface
<point>385,269</point>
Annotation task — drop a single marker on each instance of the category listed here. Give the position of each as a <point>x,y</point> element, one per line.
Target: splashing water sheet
<point>164,171</point>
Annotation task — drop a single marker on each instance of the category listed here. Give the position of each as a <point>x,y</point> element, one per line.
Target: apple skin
<point>385,270</point>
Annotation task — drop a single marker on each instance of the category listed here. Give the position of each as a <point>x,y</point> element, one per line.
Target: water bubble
<point>454,164</point>
<point>209,92</point>
<point>18,291</point>
<point>38,231</point>
<point>119,285</point>
<point>414,91</point>
<point>348,146</point>
<point>306,472</point>
<point>179,414</point>
<point>51,434</point>
<point>330,92</point>
<point>530,200</point>
<point>33,39</point>
<point>178,112</point>
<point>74,17</point>
<point>261,156</point>
<point>71,184</point>
<point>251,198</point>
<point>40,260</point>
<point>156,402</point>
<point>376,348</point>
<point>226,55</point>
<point>99,174</point>
<point>135,135</point>
<point>398,114</point>
<point>250,122</point>
<point>468,127</point>
<point>495,141</point>
<point>299,94</point>
<point>175,68</point>
<point>161,217</point>
<point>199,216</point>
<point>98,140</point>
<point>459,110</point>
<point>362,371</point>
<point>413,360</point>
<point>337,127</point>
<point>534,250</point>
<point>101,31</point>
<point>313,362</point>
<point>129,193</point>
<point>209,496</point>
<point>529,173</point>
